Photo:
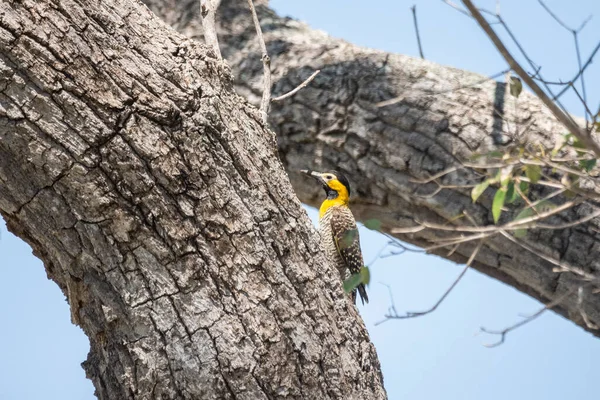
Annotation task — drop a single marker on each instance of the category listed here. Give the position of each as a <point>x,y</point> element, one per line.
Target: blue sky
<point>439,356</point>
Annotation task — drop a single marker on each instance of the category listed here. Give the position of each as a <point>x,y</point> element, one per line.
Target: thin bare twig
<point>524,223</point>
<point>459,240</point>
<point>392,307</point>
<point>266,96</point>
<point>410,314</point>
<point>580,72</point>
<point>414,13</point>
<point>456,7</point>
<point>586,319</point>
<point>398,99</point>
<point>575,33</point>
<point>298,88</point>
<point>560,22</point>
<point>558,113</point>
<point>208,11</point>
<point>505,331</point>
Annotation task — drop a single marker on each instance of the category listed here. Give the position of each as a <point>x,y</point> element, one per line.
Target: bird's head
<point>335,183</point>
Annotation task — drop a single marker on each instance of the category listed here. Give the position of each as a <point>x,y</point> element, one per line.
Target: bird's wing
<point>347,242</point>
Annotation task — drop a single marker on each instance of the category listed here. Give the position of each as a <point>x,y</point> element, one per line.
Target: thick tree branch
<point>145,184</point>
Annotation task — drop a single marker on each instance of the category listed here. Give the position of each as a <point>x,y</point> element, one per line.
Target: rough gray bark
<point>445,117</point>
<point>158,204</point>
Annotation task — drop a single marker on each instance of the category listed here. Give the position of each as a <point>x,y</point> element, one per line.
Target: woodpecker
<point>337,227</point>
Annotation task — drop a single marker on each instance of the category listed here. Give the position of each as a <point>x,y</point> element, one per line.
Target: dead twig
<point>393,314</point>
<point>575,33</point>
<point>266,96</point>
<point>298,88</point>
<point>398,99</point>
<point>505,331</point>
<point>414,13</point>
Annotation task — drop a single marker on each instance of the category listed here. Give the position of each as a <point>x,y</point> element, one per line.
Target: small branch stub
<point>298,88</point>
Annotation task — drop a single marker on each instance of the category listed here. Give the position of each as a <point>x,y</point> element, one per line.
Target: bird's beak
<point>314,174</point>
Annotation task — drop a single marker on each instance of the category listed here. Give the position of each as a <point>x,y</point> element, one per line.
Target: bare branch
<point>580,72</point>
<point>266,96</point>
<point>584,23</point>
<point>208,11</point>
<point>527,320</point>
<point>459,240</point>
<point>298,88</point>
<point>410,314</point>
<point>558,113</point>
<point>555,16</point>
<point>414,13</point>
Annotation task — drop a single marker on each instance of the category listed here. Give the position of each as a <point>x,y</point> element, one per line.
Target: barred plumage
<point>341,244</point>
<point>337,227</point>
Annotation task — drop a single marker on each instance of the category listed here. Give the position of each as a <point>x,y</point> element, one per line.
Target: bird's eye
<point>329,177</point>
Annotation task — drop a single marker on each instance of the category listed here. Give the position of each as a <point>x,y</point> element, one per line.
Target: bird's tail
<point>362,291</point>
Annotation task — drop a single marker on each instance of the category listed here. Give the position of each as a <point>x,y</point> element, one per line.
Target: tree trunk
<point>443,117</point>
<point>156,199</point>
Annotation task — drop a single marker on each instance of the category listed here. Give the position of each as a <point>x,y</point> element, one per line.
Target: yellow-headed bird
<point>339,235</point>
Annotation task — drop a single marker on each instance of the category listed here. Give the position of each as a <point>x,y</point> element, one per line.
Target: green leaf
<point>526,213</point>
<point>516,86</point>
<point>479,189</point>
<point>351,283</point>
<point>347,238</point>
<point>524,188</point>
<point>588,165</point>
<point>373,224</point>
<point>365,275</point>
<point>569,194</point>
<point>541,207</point>
<point>511,194</point>
<point>578,144</point>
<point>533,172</point>
<point>498,204</point>
<point>545,206</point>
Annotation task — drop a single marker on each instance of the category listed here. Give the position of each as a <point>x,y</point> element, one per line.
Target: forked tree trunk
<point>158,204</point>
<point>443,117</point>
